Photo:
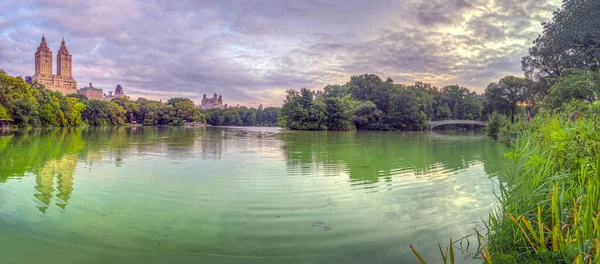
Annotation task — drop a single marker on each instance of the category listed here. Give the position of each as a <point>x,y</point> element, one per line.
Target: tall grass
<point>550,194</point>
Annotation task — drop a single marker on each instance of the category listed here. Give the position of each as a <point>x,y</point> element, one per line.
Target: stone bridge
<point>433,124</point>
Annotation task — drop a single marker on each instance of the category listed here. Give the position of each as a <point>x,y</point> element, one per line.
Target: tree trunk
<point>512,114</point>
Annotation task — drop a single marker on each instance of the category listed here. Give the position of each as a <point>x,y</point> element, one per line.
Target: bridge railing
<point>433,124</point>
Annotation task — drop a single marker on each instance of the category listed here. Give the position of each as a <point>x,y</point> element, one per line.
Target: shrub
<point>495,122</point>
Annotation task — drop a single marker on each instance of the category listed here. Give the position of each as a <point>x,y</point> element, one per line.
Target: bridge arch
<point>433,124</point>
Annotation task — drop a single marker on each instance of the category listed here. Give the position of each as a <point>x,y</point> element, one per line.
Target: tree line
<point>242,116</point>
<point>367,102</point>
<point>35,106</point>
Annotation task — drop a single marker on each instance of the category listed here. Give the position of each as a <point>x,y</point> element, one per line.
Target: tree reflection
<point>371,155</point>
<point>52,155</point>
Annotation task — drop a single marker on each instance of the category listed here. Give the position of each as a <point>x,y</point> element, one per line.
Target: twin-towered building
<point>63,81</point>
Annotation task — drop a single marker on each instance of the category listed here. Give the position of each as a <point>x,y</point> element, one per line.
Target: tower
<point>63,81</point>
<point>43,59</point>
<point>63,60</point>
<point>119,91</point>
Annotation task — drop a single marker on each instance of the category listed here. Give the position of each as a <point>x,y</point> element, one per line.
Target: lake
<point>241,195</point>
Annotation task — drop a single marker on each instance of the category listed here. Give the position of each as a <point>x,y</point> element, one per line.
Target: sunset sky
<point>252,51</point>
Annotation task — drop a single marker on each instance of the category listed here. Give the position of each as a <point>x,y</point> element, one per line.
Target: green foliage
<point>509,133</point>
<point>184,108</point>
<point>34,105</point>
<point>404,111</point>
<point>96,113</point>
<point>368,102</point>
<point>339,113</point>
<point>4,113</point>
<point>367,116</point>
<point>569,41</point>
<point>583,86</point>
<point>79,97</point>
<point>303,112</point>
<point>116,114</point>
<point>240,116</point>
<point>495,123</point>
<point>550,200</point>
<point>504,96</point>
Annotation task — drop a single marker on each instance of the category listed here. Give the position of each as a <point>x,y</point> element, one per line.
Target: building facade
<point>210,103</point>
<point>118,94</point>
<point>63,81</point>
<point>94,93</point>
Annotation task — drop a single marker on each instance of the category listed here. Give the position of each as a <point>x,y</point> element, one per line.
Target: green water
<point>240,195</point>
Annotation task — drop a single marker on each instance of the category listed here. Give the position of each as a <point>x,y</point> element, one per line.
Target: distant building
<point>92,93</point>
<point>118,94</point>
<point>210,103</point>
<point>63,81</point>
<point>260,107</point>
<point>119,91</point>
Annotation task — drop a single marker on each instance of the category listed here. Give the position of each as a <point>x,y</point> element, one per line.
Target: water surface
<point>240,195</point>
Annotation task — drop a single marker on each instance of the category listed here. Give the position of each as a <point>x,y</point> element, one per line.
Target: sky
<point>252,51</point>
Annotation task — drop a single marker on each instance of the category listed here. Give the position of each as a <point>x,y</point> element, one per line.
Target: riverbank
<point>549,203</point>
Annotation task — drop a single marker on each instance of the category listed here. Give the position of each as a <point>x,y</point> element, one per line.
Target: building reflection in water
<point>62,170</point>
<point>52,155</point>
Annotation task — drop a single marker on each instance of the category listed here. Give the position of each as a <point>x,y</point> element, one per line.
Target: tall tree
<point>507,93</point>
<point>570,41</point>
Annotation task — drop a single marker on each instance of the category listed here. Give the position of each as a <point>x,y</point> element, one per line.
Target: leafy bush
<point>4,113</point>
<point>509,133</point>
<point>495,122</point>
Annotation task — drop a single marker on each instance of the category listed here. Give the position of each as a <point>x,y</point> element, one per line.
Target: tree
<point>583,86</point>
<point>367,116</point>
<point>570,41</point>
<point>302,111</point>
<point>116,114</point>
<point>504,96</point>
<point>184,108</point>
<point>404,111</point>
<point>81,97</point>
<point>96,113</point>
<point>495,122</point>
<point>4,113</point>
<point>131,108</point>
<point>370,87</point>
<point>336,90</point>
<point>339,113</point>
<point>72,108</point>
<point>495,101</point>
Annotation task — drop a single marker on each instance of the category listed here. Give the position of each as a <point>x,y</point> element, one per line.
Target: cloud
<point>252,51</point>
